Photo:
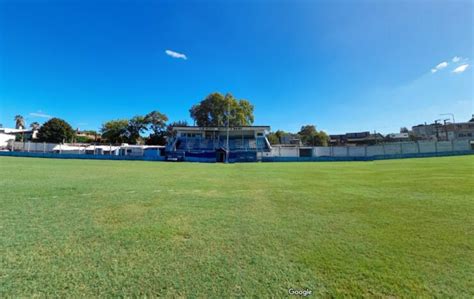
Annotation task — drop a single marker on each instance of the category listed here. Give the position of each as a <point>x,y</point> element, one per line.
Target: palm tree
<point>19,122</point>
<point>34,125</point>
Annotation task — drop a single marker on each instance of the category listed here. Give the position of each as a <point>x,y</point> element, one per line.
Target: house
<point>356,138</point>
<point>28,134</point>
<point>291,139</point>
<point>397,137</point>
<point>5,140</point>
<point>446,131</point>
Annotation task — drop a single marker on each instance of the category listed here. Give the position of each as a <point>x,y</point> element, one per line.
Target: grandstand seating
<point>198,143</point>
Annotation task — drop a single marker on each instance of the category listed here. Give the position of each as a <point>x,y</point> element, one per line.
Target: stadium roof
<point>197,128</point>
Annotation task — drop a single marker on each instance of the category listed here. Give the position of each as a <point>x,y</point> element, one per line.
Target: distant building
<point>28,134</point>
<point>290,139</point>
<point>87,136</point>
<point>397,137</point>
<point>5,140</point>
<point>357,138</point>
<point>447,131</point>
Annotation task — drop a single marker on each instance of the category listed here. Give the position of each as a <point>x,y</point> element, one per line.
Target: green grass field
<point>401,228</point>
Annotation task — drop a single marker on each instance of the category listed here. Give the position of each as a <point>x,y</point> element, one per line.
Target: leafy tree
<point>273,138</point>
<point>321,138</point>
<point>179,123</point>
<point>136,126</point>
<point>55,130</point>
<point>307,133</point>
<point>217,109</point>
<point>157,122</point>
<point>116,131</point>
<point>156,139</point>
<point>404,130</point>
<point>311,137</point>
<point>83,139</point>
<point>19,122</point>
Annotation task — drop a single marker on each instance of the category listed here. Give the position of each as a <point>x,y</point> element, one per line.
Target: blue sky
<point>342,65</point>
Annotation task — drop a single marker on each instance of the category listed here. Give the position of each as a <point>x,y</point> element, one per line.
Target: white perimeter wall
<point>377,150</point>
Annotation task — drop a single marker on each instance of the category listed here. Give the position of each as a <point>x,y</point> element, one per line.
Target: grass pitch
<point>88,228</point>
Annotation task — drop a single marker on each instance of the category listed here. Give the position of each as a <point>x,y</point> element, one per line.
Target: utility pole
<point>437,129</point>
<point>227,142</point>
<point>454,124</point>
<point>451,114</point>
<point>446,129</point>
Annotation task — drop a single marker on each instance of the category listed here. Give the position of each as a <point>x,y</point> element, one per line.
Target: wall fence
<point>277,153</point>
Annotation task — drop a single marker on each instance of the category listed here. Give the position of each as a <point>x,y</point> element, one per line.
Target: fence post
<point>28,147</point>
<point>401,149</point>
<point>452,145</point>
<point>436,146</point>
<point>418,146</point>
<point>44,147</point>
<point>383,149</point>
<point>365,151</point>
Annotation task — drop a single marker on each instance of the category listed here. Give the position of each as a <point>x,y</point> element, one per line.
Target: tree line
<point>213,111</point>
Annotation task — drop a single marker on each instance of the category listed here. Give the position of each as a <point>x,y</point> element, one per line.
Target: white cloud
<point>461,68</point>
<point>440,66</point>
<point>176,54</point>
<point>39,114</point>
<point>456,59</point>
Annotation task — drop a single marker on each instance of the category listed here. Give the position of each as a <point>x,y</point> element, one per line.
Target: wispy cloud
<point>39,114</point>
<point>456,59</point>
<point>461,68</point>
<point>440,66</point>
<point>176,54</point>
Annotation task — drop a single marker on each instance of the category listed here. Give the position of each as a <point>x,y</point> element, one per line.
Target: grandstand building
<point>218,144</point>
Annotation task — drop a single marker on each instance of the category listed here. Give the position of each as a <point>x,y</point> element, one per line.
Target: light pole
<point>451,114</point>
<point>454,123</point>
<point>227,141</point>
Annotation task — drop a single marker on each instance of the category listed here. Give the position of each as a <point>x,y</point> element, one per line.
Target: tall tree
<point>137,125</point>
<point>311,137</point>
<point>19,122</point>
<point>157,121</point>
<point>115,131</point>
<point>55,130</point>
<point>404,130</point>
<point>321,138</point>
<point>217,109</point>
<point>272,138</point>
<point>169,127</point>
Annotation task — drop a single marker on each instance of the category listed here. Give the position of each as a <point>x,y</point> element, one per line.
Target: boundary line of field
<point>264,159</point>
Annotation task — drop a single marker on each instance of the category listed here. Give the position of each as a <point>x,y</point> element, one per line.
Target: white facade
<point>5,139</point>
